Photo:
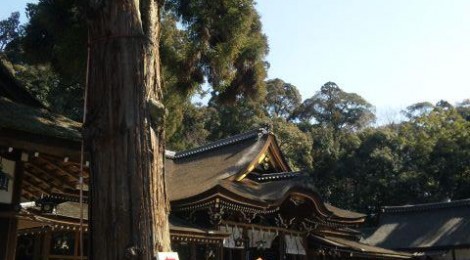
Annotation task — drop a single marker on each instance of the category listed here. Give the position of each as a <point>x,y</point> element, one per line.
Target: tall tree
<point>230,120</point>
<point>9,29</point>
<point>335,108</point>
<point>124,131</point>
<point>227,45</point>
<point>464,109</point>
<point>219,42</point>
<point>282,99</point>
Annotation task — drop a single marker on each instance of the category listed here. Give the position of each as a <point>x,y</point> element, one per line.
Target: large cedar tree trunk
<point>129,208</point>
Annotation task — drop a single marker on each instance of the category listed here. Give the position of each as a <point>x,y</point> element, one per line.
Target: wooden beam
<point>28,195</point>
<point>35,193</point>
<point>39,170</point>
<point>46,244</point>
<point>40,143</point>
<point>69,166</point>
<point>50,184</point>
<point>35,186</point>
<point>57,167</point>
<point>75,167</point>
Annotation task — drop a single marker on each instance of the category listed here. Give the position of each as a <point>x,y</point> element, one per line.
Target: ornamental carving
<point>216,214</point>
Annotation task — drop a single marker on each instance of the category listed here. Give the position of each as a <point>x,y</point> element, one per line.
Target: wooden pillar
<point>37,246</point>
<point>281,249</point>
<point>220,253</point>
<point>246,245</point>
<point>305,244</point>
<point>8,227</point>
<point>193,250</point>
<point>46,245</point>
<point>9,222</point>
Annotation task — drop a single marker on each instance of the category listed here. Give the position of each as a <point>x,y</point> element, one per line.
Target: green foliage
<point>281,99</point>
<point>227,47</point>
<point>9,30</point>
<point>221,42</point>
<point>46,85</point>
<point>424,159</point>
<point>234,119</point>
<point>57,35</point>
<point>192,132</point>
<point>418,109</point>
<point>295,144</point>
<point>464,109</point>
<point>335,108</point>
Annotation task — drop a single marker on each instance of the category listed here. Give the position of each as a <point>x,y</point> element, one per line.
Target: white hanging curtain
<point>261,238</point>
<point>294,245</point>
<point>236,233</point>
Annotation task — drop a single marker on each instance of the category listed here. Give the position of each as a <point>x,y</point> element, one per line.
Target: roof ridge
<point>222,142</point>
<point>279,175</point>
<point>426,206</point>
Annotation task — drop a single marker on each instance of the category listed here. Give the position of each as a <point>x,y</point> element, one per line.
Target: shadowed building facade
<point>433,230</point>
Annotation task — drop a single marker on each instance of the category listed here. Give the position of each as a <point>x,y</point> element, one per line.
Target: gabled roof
<point>359,249</point>
<point>272,192</point>
<point>342,213</point>
<point>228,169</point>
<point>198,170</point>
<point>426,226</point>
<point>26,124</point>
<point>39,121</point>
<point>12,89</point>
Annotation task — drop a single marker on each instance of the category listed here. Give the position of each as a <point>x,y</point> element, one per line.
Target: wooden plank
<point>49,175</point>
<point>42,144</point>
<point>35,186</point>
<point>46,245</point>
<point>56,167</point>
<point>28,195</point>
<point>75,167</point>
<point>37,193</point>
<point>39,178</point>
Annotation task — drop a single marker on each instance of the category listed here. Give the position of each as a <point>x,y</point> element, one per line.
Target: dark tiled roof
<point>219,144</point>
<point>425,226</point>
<point>360,249</point>
<point>344,213</point>
<point>269,192</point>
<point>275,176</point>
<point>426,206</point>
<point>12,89</point>
<point>20,117</point>
<point>195,171</point>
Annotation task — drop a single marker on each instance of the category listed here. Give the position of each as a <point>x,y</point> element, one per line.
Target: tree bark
<point>129,207</point>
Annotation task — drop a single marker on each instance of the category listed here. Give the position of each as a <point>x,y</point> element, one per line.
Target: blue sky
<point>393,53</point>
<point>9,6</point>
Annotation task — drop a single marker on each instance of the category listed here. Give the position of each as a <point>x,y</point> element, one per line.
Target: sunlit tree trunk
<point>129,207</point>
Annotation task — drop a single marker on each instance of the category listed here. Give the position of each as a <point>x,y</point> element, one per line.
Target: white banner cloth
<point>294,245</point>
